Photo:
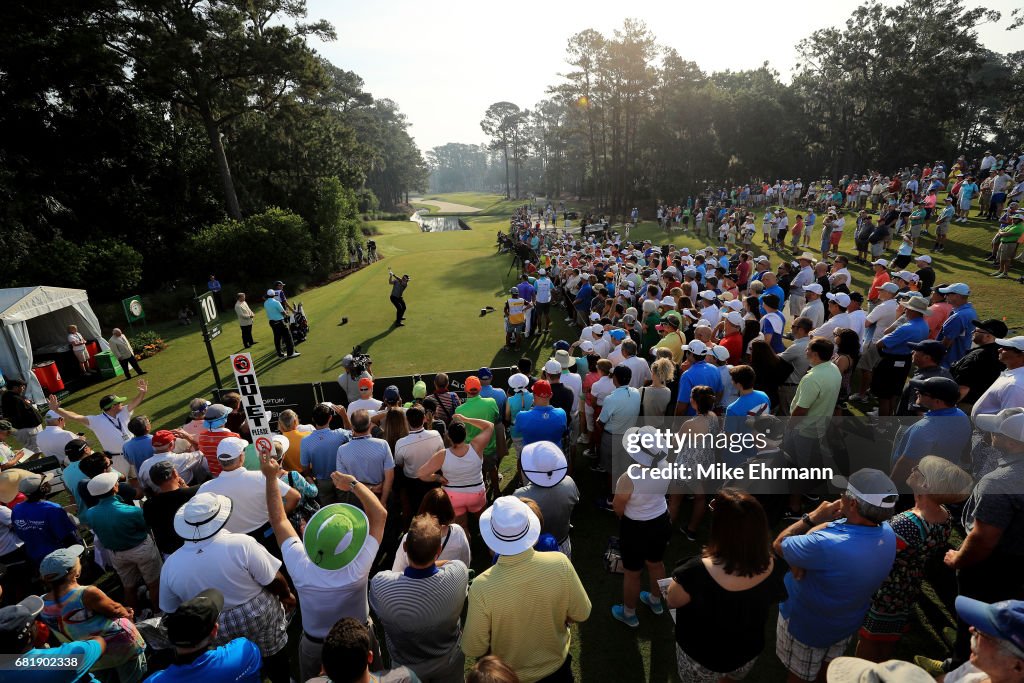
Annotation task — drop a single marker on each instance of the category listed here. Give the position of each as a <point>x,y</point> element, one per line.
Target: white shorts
<point>802,660</point>
<point>82,354</point>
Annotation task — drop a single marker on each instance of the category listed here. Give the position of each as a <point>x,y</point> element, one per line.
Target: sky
<point>445,62</point>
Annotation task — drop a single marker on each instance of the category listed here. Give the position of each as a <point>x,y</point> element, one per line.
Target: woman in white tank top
<point>461,468</point>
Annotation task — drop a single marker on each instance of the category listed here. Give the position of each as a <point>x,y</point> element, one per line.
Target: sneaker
<point>1001,276</point>
<point>619,612</point>
<point>996,274</point>
<point>657,606</point>
<point>932,666</point>
<point>690,536</point>
<point>296,354</point>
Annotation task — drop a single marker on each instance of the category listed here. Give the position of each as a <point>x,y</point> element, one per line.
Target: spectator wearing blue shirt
<point>542,422</point>
<point>773,322</point>
<point>958,329</point>
<point>318,452</point>
<point>279,326</point>
<point>43,526</point>
<point>139,449</point>
<point>945,430</point>
<point>487,391</point>
<point>583,299</point>
<point>740,414</point>
<point>213,285</point>
<point>838,555</point>
<point>891,371</point>
<point>192,628</point>
<point>18,632</point>
<point>771,286</point>
<point>700,373</point>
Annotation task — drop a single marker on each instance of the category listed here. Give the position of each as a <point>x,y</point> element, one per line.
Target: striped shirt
<point>518,610</point>
<point>420,610</point>
<point>208,442</point>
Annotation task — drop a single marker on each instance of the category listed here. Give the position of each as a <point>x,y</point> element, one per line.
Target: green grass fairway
<point>454,275</point>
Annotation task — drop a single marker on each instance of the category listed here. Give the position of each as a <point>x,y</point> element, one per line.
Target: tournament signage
<point>252,401</point>
<point>133,310</point>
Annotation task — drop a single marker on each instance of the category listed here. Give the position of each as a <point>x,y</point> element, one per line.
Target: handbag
<point>613,557</point>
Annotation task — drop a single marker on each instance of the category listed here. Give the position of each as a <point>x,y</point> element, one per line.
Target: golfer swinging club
<point>398,285</point>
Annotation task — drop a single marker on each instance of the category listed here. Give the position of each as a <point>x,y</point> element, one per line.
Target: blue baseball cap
<point>1003,620</point>
<point>617,335</point>
<point>57,564</point>
<point>561,345</point>
<point>484,373</point>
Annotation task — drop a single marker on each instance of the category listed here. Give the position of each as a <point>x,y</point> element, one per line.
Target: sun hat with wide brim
<point>509,526</point>
<point>202,517</point>
<point>335,535</point>
<point>544,463</point>
<point>856,670</point>
<point>9,484</point>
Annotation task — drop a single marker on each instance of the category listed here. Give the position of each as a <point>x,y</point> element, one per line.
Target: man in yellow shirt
<point>520,609</point>
<point>673,339</point>
<point>515,318</point>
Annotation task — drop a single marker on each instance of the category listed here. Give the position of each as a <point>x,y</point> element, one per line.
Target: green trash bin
<point>108,365</point>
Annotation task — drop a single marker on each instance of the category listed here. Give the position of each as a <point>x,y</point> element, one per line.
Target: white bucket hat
<point>509,527</point>
<point>544,463</point>
<point>202,517</point>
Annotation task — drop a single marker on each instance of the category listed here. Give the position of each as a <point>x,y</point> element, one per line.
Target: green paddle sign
<point>133,308</point>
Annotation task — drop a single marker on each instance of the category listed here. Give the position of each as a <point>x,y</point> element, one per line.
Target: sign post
<point>252,402</point>
<point>208,313</point>
<point>133,310</point>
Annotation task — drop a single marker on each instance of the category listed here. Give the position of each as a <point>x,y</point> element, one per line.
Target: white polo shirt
<point>881,316</point>
<point>640,369</point>
<point>234,564</point>
<point>328,595</point>
<point>574,382</point>
<point>111,432</point>
<point>52,440</point>
<point>412,451</point>
<point>370,404</point>
<point>247,491</point>
<point>186,465</point>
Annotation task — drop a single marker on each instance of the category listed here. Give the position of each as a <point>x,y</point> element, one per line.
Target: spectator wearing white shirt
<point>796,355</point>
<point>641,371</point>
<point>412,452</point>
<point>709,308</point>
<point>1008,389</point>
<point>571,379</point>
<point>814,309</point>
<point>52,440</point>
<point>245,489</point>
<point>880,317</point>
<point>330,565</point>
<point>191,466</point>
<point>111,425</point>
<point>838,317</point>
<point>366,401</point>
<point>858,318</point>
<point>803,277</point>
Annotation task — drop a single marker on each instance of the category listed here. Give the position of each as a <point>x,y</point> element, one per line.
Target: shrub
<point>256,248</point>
<point>147,343</point>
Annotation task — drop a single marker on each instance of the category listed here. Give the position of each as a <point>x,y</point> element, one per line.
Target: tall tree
<point>502,122</point>
<point>219,59</point>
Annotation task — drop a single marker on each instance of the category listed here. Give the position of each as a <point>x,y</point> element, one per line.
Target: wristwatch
<point>806,519</point>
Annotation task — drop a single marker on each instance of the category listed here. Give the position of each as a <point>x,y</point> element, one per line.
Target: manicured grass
<point>454,275</point>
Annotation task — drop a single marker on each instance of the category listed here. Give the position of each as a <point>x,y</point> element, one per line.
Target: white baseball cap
<point>960,288</point>
<point>597,330</point>
<point>553,367</point>
<point>734,318</point>
<point>882,262</point>
<point>587,347</point>
<point>707,294</point>
<point>594,316</point>
<point>1013,343</point>
<point>668,301</point>
<point>720,352</point>
<point>842,298</point>
<point>102,483</point>
<point>1008,422</point>
<point>872,486</point>
<point>696,347</point>
<point>924,258</point>
<point>890,287</point>
<point>734,304</point>
<point>230,448</point>
<point>813,287</point>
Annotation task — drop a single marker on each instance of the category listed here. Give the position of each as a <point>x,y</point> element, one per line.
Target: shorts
<point>692,672</point>
<point>519,328</point>
<point>643,541</point>
<point>141,564</point>
<point>467,502</point>
<point>876,249</point>
<point>890,374</point>
<point>869,358</point>
<point>802,660</point>
<point>965,204</point>
<point>1007,250</point>
<point>543,307</point>
<point>942,229</point>
<point>261,620</point>
<point>82,355</point>
<point>835,238</point>
<point>881,627</point>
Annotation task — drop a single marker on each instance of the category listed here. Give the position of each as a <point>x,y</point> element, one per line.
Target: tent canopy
<point>38,317</point>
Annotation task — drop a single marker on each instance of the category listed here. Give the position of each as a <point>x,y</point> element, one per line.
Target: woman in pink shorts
<point>461,468</point>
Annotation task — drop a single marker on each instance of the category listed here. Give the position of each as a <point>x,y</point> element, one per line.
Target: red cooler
<point>94,348</point>
<point>49,376</point>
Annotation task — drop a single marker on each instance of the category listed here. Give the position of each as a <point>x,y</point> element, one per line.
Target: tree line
<point>631,120</point>
<point>135,130</point>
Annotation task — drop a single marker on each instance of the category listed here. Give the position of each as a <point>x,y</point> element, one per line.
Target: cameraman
<point>357,367</point>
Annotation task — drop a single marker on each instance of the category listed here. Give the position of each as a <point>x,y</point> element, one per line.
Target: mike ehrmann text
<point>720,471</point>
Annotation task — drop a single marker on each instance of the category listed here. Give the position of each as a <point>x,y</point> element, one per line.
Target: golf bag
<point>299,326</point>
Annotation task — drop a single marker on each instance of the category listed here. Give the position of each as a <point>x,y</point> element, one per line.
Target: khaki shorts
<point>141,564</point>
<point>1007,250</point>
<point>869,358</point>
<point>82,355</point>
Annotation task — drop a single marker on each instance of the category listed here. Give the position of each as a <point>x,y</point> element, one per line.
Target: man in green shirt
<point>812,407</point>
<point>481,408</point>
<point>122,530</point>
<point>917,219</point>
<point>1009,237</point>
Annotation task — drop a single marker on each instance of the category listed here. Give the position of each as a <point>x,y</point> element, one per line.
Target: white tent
<point>38,318</point>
